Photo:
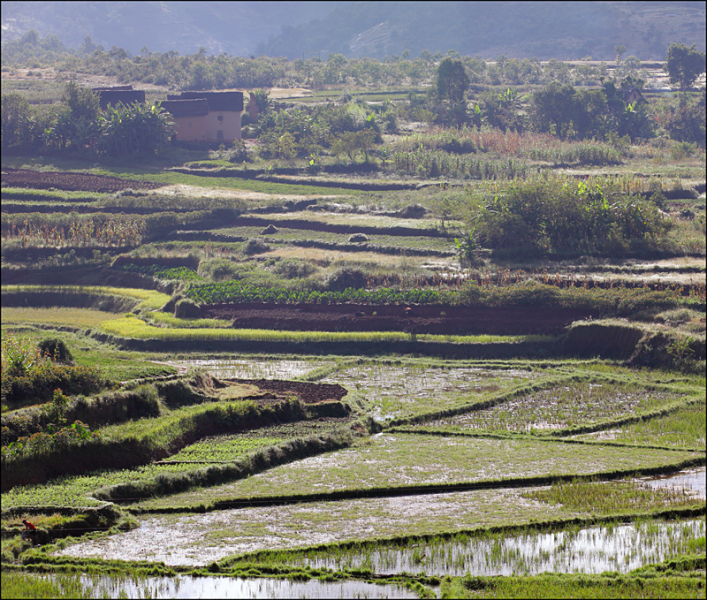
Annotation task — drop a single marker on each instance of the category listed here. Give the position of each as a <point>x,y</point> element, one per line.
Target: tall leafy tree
<point>452,80</point>
<point>684,65</point>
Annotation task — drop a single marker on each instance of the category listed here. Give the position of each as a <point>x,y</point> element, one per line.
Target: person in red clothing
<point>29,531</point>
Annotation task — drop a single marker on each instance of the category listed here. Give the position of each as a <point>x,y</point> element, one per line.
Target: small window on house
<point>220,118</point>
<point>219,135</point>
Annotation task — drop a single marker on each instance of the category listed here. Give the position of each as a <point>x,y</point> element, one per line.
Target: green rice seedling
<point>561,408</point>
<point>417,461</point>
<point>682,428</point>
<point>132,327</point>
<point>397,391</point>
<point>572,586</point>
<point>614,497</point>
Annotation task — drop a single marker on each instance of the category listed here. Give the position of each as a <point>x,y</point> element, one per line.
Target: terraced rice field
<point>412,461</point>
<point>559,408</point>
<point>397,391</point>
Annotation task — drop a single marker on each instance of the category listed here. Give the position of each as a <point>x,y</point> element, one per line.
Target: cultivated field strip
<point>416,462</point>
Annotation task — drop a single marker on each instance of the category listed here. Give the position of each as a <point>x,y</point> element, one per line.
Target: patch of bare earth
<point>193,191</point>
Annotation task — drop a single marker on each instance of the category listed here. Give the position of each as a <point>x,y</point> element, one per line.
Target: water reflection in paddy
<point>589,550</point>
<point>116,586</point>
<point>252,369</point>
<point>692,482</point>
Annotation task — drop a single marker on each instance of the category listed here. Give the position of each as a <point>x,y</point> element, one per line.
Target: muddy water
<point>198,539</point>
<point>590,550</point>
<point>691,482</point>
<point>252,369</point>
<point>105,586</point>
<point>395,390</point>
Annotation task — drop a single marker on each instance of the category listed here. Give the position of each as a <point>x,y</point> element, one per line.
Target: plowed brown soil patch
<point>80,182</point>
<point>433,319</point>
<point>309,393</point>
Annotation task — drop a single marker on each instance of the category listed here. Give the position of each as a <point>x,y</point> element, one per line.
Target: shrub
<point>347,277</point>
<point>553,216</point>
<point>255,246</point>
<point>220,269</point>
<point>187,309</point>
<point>55,349</point>
<point>294,269</point>
<point>38,386</point>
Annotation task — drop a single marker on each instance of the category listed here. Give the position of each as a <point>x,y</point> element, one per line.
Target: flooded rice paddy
<point>116,586</point>
<point>198,539</point>
<point>691,482</point>
<point>399,390</point>
<point>251,368</point>
<point>392,460</point>
<point>589,550</point>
<point>558,408</point>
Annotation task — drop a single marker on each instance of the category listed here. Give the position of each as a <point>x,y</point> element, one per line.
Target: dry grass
<point>388,261</point>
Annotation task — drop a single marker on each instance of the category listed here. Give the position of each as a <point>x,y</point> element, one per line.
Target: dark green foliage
<point>255,246</point>
<point>77,450</point>
<point>305,132</point>
<point>561,110</point>
<point>607,341</point>
<point>179,393</point>
<point>452,80</point>
<point>685,122</point>
<point>684,65</point>
<point>347,278</point>
<point>136,128</point>
<point>544,216</point>
<point>112,407</point>
<point>38,386</point>
<point>55,349</point>
<point>22,125</point>
<point>186,309</point>
<point>160,272</point>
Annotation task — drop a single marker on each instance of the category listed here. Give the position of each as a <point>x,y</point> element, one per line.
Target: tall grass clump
<point>527,145</point>
<point>552,215</point>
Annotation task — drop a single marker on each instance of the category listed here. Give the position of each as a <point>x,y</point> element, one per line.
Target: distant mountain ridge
<point>232,27</point>
<point>545,30</point>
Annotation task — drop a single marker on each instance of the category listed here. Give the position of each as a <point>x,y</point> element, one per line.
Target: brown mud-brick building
<point>634,96</point>
<point>121,94</point>
<point>206,116</point>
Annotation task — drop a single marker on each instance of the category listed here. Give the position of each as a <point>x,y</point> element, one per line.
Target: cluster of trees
<point>348,128</point>
<point>201,71</point>
<point>562,110</point>
<point>79,123</point>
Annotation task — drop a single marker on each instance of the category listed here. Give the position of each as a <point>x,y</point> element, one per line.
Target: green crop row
<point>132,327</point>
<point>158,271</point>
<point>235,291</point>
<point>618,299</point>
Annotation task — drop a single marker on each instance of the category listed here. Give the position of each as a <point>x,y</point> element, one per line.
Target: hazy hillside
<point>546,30</point>
<point>232,27</point>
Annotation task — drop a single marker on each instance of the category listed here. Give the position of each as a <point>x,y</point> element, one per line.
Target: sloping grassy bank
<point>141,442</point>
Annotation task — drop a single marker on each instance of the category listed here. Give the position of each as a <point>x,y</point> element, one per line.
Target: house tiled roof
<point>113,88</point>
<point>223,101</point>
<point>186,108</point>
<point>115,97</point>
